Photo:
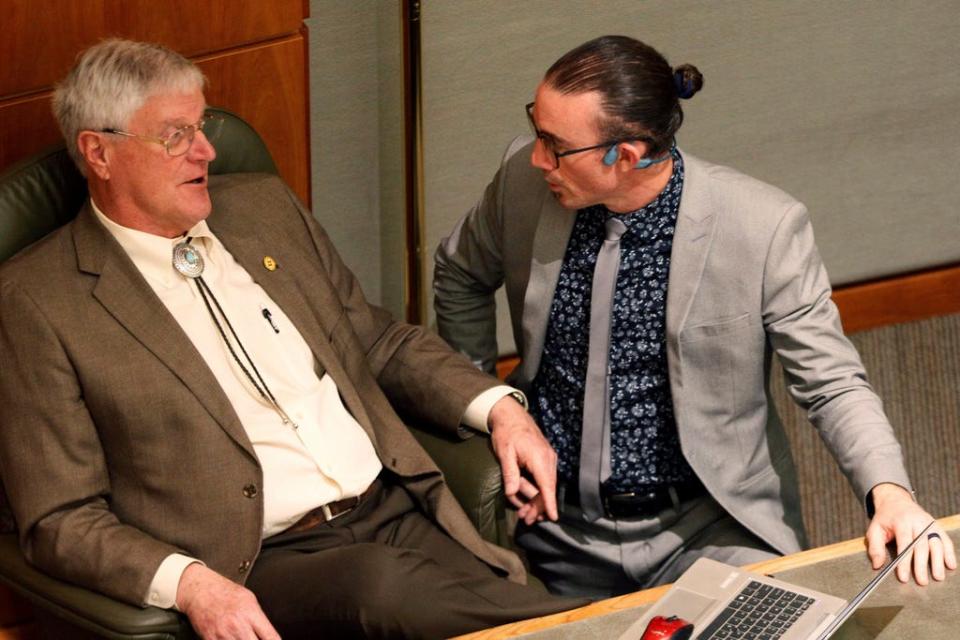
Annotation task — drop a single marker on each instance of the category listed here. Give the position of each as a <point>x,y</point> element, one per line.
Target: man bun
<point>688,80</point>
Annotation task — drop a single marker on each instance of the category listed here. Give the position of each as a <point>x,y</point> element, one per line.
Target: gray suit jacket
<point>745,281</point>
<point>118,446</point>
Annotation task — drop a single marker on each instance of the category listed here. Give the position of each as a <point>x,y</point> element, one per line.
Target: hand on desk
<point>519,444</point>
<point>898,517</point>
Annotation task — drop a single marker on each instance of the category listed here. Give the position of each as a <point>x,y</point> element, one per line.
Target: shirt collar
<point>664,206</point>
<point>152,254</point>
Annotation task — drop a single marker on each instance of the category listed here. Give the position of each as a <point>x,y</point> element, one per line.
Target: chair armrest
<point>86,609</point>
<point>473,474</point>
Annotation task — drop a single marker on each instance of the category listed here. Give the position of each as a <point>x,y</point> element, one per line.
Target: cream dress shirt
<point>328,456</point>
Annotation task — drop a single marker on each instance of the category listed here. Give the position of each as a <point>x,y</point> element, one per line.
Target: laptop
<point>728,603</point>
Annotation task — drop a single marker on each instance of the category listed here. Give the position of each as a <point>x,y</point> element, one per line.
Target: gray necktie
<point>595,437</point>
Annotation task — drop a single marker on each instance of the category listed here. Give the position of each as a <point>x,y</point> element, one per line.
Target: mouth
<point>199,180</point>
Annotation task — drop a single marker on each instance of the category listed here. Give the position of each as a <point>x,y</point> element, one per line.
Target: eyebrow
<point>177,124</point>
<point>554,138</point>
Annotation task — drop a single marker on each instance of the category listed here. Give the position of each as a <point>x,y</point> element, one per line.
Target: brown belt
<point>327,512</point>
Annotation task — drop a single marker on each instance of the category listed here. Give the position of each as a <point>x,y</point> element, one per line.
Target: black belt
<point>647,500</point>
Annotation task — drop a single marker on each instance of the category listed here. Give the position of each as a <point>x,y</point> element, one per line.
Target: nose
<point>202,148</point>
<point>539,157</point>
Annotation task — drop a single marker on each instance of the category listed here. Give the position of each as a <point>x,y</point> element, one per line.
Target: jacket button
<point>250,491</point>
<point>244,566</point>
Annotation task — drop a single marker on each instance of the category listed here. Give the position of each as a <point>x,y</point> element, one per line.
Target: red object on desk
<point>672,628</point>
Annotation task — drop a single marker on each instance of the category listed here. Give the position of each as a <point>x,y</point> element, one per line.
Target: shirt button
<point>244,566</point>
<point>250,491</point>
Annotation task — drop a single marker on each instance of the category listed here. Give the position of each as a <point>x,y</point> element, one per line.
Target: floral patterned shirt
<point>645,447</point>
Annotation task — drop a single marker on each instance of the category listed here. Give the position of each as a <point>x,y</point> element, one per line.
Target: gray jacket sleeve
<point>824,373</point>
<point>468,270</point>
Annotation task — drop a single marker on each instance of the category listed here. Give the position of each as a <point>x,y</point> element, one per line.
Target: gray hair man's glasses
<point>181,139</point>
<point>548,143</point>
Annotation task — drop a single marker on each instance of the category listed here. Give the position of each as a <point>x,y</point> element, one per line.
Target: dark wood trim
<point>875,304</point>
<point>413,228</point>
<point>305,34</point>
<point>902,298</point>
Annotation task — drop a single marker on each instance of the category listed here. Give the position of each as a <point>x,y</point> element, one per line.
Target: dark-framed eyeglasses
<point>179,141</point>
<point>547,142</point>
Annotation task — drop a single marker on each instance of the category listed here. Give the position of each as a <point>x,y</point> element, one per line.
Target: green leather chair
<point>46,191</point>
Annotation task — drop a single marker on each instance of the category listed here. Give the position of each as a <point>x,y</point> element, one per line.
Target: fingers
<point>519,444</point>
<point>527,489</point>
<point>921,559</point>
<point>942,554</point>
<point>904,536</point>
<point>532,511</point>
<point>510,469</point>
<point>264,629</point>
<point>937,550</point>
<point>949,553</point>
<point>877,546</point>
<point>525,493</point>
<point>545,478</point>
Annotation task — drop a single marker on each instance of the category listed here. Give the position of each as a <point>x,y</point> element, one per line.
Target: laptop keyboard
<point>758,612</point>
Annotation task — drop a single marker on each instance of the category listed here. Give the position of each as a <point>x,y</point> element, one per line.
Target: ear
<point>631,153</point>
<point>95,153</point>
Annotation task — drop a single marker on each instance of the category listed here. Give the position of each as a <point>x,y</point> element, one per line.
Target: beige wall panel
<point>357,136</point>
<point>851,107</point>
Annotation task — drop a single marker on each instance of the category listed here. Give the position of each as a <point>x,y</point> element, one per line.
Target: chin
<point>567,201</point>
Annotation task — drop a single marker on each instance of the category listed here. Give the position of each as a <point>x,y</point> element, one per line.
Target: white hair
<point>111,81</point>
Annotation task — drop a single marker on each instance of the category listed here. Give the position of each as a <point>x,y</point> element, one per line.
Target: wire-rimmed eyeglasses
<point>181,139</point>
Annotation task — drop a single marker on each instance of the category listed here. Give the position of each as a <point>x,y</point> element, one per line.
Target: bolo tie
<point>189,263</point>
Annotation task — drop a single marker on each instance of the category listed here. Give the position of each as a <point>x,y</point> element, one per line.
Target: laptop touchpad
<point>689,605</point>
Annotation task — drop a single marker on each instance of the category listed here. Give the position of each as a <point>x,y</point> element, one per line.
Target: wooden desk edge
<point>630,600</point>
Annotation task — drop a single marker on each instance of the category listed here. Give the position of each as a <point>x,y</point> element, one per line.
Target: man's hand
<point>220,609</point>
<point>898,517</point>
<point>519,444</point>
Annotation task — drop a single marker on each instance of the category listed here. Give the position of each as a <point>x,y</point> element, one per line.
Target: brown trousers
<point>384,570</point>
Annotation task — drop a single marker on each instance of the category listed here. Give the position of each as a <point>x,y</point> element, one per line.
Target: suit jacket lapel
<point>313,310</point>
<point>696,222</point>
<point>124,293</point>
<point>549,246</point>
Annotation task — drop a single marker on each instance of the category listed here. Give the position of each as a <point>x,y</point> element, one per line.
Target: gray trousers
<point>609,557</point>
<point>384,570</point>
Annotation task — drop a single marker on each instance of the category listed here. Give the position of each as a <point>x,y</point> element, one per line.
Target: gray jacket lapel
<point>549,246</point>
<point>124,293</point>
<point>696,222</point>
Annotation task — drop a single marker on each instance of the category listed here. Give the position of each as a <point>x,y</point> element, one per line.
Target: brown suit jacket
<point>118,446</point>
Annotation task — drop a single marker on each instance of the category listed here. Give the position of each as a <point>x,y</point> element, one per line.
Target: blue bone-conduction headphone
<point>614,152</point>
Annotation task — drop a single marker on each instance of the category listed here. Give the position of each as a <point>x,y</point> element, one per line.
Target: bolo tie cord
<point>262,388</point>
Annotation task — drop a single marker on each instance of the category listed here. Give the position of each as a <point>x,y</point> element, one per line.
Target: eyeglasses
<point>548,142</point>
<point>180,140</point>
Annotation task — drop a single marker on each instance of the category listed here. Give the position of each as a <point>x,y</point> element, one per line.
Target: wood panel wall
<point>253,52</point>
<point>254,55</point>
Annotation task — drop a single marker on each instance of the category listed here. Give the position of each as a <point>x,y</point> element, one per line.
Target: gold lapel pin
<point>269,263</point>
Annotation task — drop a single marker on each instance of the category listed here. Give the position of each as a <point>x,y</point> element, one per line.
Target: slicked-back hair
<point>111,81</point>
<point>639,90</point>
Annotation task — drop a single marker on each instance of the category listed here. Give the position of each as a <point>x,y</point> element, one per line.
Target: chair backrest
<point>45,191</point>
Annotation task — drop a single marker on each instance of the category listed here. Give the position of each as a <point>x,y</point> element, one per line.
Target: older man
<point>648,290</point>
<point>197,397</point>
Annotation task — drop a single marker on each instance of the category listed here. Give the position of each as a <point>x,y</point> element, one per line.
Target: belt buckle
<point>609,503</point>
<point>639,504</point>
<point>327,513</point>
